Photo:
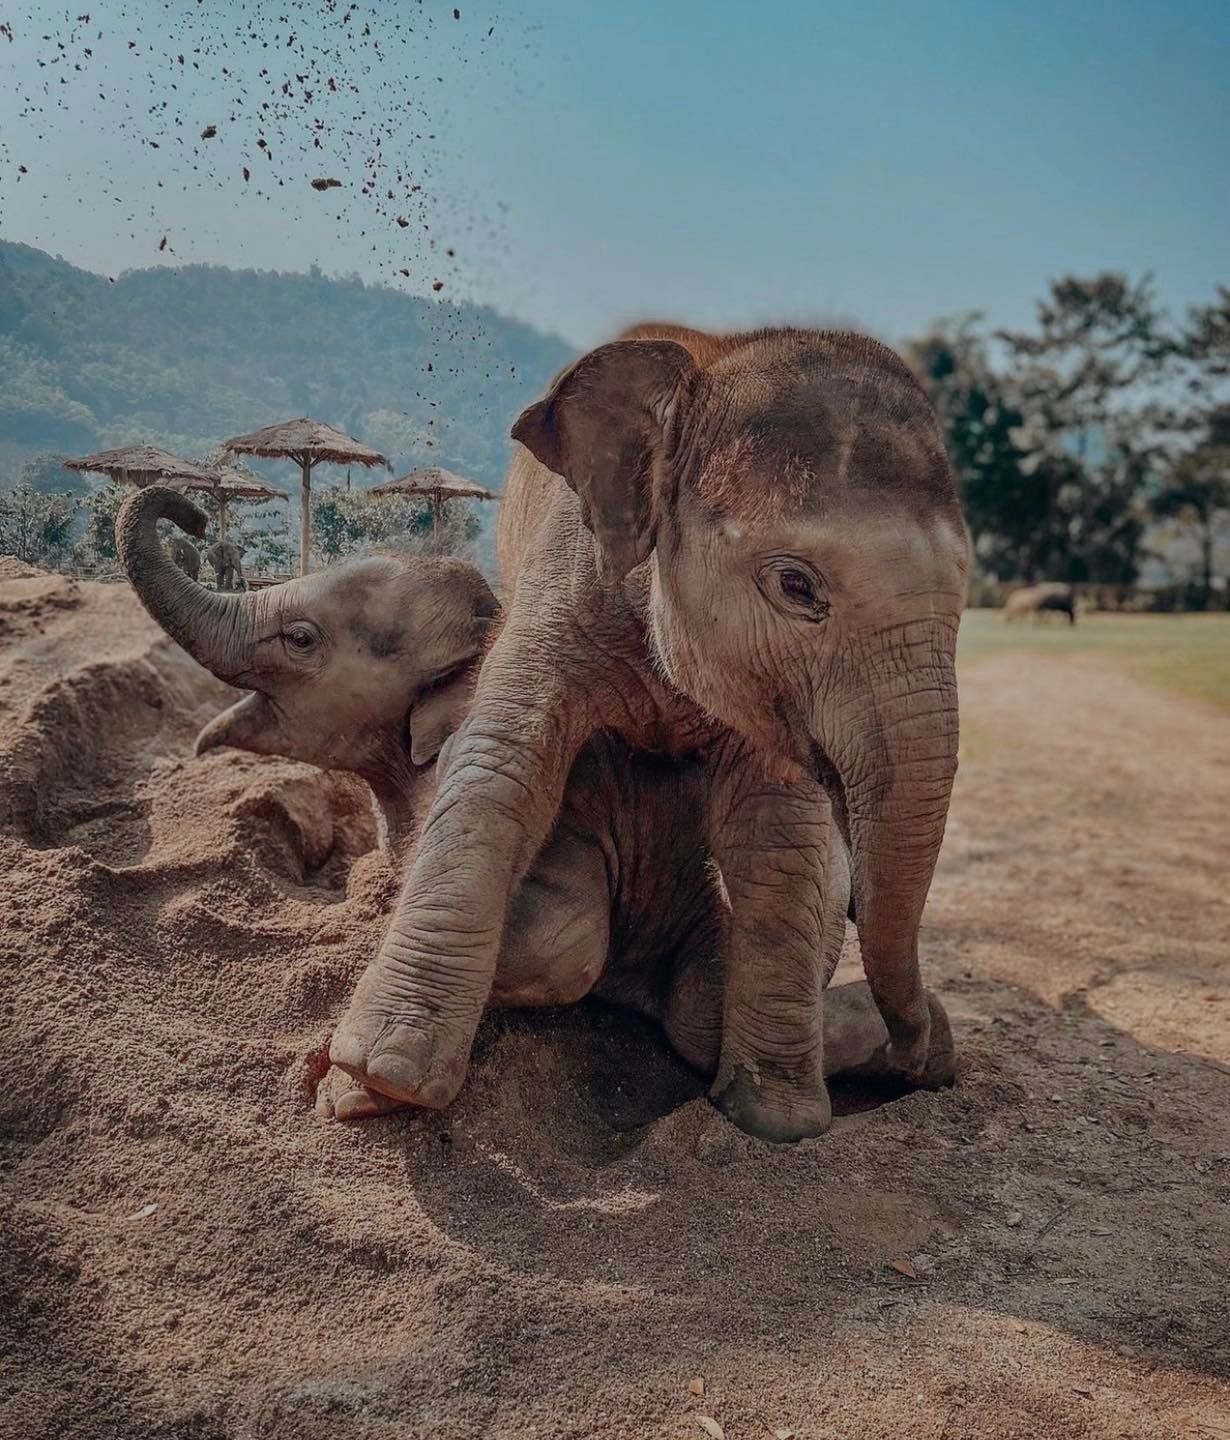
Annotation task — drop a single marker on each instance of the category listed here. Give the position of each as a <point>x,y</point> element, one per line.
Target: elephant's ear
<point>601,427</point>
<point>434,718</point>
<point>437,714</point>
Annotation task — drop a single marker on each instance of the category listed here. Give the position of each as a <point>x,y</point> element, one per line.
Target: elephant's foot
<point>925,1058</point>
<point>909,1041</point>
<point>856,1040</point>
<point>340,1097</point>
<point>781,1112</point>
<point>941,1067</point>
<point>414,1062</point>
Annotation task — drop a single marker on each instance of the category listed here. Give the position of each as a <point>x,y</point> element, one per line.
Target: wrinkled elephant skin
<point>394,654</point>
<point>746,549</point>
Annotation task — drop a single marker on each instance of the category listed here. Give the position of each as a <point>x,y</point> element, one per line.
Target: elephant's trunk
<point>217,630</point>
<point>897,759</point>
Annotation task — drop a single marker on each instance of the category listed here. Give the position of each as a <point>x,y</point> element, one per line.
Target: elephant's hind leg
<point>559,927</point>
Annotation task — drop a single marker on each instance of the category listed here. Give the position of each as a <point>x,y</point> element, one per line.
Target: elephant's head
<point>364,666</point>
<point>807,563</point>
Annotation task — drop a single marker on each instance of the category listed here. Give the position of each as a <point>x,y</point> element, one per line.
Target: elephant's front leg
<point>556,947</point>
<point>788,884</point>
<point>410,1025</point>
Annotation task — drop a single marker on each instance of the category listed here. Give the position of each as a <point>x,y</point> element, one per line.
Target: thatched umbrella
<point>309,443</point>
<point>231,485</point>
<point>141,465</point>
<point>437,486</point>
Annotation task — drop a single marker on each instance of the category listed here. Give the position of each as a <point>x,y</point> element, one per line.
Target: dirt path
<point>187,1251</point>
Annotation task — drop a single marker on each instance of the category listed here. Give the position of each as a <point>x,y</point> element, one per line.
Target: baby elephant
<point>1036,599</point>
<point>369,666</point>
<point>227,560</point>
<point>185,554</point>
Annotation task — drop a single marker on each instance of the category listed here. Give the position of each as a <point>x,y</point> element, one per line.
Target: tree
<point>1056,433</point>
<point>37,529</point>
<point>1006,503</point>
<point>1197,493</point>
<point>45,474</point>
<point>1207,340</point>
<point>270,550</point>
<point>1083,382</point>
<point>347,522</point>
<point>101,508</point>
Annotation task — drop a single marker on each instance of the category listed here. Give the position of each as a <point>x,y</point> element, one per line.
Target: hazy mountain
<point>184,357</point>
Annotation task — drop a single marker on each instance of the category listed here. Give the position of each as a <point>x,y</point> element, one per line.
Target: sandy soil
<point>581,1244</point>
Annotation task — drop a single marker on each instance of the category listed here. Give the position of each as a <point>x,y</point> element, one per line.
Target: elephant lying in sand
<point>185,554</point>
<point>746,549</point>
<point>1038,599</point>
<point>227,560</point>
<point>368,667</point>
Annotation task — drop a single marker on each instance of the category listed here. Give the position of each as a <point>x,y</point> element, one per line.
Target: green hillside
<point>186,356</point>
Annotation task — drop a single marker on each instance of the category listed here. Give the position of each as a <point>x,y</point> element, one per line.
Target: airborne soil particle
<point>187,1250</point>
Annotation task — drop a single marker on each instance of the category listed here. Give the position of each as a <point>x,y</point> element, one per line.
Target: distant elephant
<point>227,560</point>
<point>747,549</point>
<point>369,666</point>
<point>1037,599</point>
<point>185,554</point>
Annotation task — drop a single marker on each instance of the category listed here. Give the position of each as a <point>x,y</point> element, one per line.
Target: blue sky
<point>719,163</point>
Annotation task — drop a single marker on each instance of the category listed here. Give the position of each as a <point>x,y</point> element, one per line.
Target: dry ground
<point>187,1250</point>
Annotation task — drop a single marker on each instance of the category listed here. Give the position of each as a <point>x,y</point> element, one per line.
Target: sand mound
<point>188,1250</point>
<point>13,569</point>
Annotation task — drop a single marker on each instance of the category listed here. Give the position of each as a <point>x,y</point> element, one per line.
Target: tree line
<point>1089,446</point>
<point>1095,440</point>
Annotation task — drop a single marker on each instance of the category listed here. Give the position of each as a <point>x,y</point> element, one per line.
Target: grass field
<point>1186,654</point>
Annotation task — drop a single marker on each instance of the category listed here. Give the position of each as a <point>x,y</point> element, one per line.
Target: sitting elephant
<point>369,666</point>
<point>1036,599</point>
<point>185,554</point>
<point>227,560</point>
<point>746,549</point>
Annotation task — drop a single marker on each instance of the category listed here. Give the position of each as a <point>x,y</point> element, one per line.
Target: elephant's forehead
<point>795,433</point>
<point>819,463</point>
<point>359,584</point>
<point>364,599</point>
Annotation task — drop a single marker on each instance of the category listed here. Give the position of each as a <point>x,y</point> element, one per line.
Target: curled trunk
<point>214,629</point>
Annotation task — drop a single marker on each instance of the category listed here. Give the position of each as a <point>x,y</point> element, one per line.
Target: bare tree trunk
<point>305,520</point>
<point>1206,559</point>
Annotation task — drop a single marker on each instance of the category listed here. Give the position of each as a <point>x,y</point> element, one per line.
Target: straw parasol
<point>141,465</point>
<point>436,485</point>
<point>309,443</point>
<point>231,485</point>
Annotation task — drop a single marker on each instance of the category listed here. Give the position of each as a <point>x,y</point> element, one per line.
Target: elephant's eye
<point>795,590</point>
<point>300,639</point>
<point>797,587</point>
